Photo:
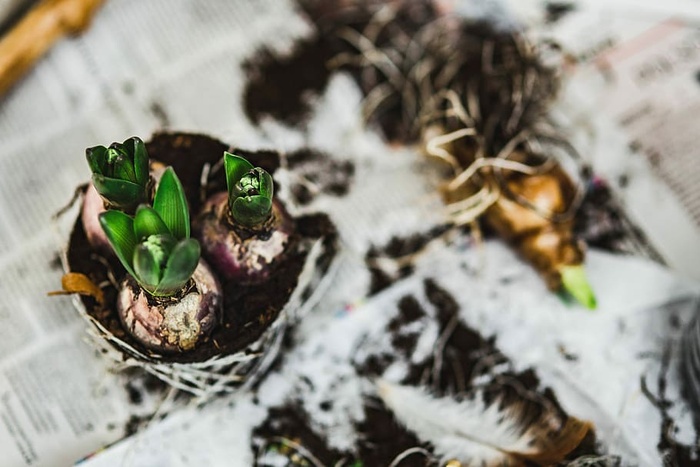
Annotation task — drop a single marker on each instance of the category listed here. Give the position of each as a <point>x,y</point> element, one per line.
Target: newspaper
<point>175,64</point>
<point>634,94</point>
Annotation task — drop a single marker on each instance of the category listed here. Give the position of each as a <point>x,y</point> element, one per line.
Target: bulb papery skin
<point>245,255</point>
<point>93,206</point>
<point>172,325</point>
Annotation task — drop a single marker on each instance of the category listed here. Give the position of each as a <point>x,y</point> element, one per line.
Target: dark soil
<point>466,355</point>
<point>602,223</point>
<point>555,11</point>
<point>290,423</point>
<point>283,87</point>
<point>675,454</point>
<point>248,310</point>
<point>324,174</point>
<point>396,248</point>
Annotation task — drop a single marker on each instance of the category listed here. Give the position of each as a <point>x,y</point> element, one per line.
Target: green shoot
<point>154,245</point>
<point>250,191</point>
<point>120,173</point>
<point>575,283</point>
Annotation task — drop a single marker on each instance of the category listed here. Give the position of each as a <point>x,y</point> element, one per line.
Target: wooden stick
<point>34,35</point>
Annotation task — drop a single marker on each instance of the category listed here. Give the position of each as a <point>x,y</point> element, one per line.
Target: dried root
<point>476,99</point>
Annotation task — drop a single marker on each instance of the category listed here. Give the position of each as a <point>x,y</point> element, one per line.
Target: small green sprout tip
<point>574,281</point>
<point>154,245</point>
<point>250,191</point>
<point>120,172</point>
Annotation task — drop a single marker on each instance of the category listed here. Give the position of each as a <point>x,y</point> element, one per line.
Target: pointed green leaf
<point>147,222</point>
<point>120,193</point>
<point>181,265</point>
<point>148,270</point>
<point>235,167</point>
<point>267,186</point>
<point>251,210</point>
<point>119,229</point>
<point>137,149</point>
<point>574,281</point>
<point>97,159</point>
<point>170,203</point>
<point>122,166</point>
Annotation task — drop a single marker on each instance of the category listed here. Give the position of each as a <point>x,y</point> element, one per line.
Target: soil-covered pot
<point>254,317</point>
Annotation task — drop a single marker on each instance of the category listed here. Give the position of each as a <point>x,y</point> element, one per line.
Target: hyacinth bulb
<point>245,233</point>
<point>176,325</point>
<point>169,300</point>
<point>93,206</point>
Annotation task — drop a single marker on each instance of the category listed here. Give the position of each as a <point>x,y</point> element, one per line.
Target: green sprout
<point>250,191</point>
<point>574,281</point>
<point>120,173</point>
<point>155,245</point>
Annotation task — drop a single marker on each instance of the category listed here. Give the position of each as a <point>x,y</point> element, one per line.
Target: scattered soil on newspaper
<point>56,263</point>
<point>396,249</point>
<point>602,223</point>
<point>673,452</point>
<point>283,86</point>
<point>555,11</point>
<point>316,172</point>
<point>466,356</point>
<point>248,310</point>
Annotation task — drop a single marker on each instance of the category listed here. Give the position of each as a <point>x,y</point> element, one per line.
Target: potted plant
<point>153,302</point>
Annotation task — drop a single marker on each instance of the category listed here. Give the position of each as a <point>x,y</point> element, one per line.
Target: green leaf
<point>181,265</point>
<point>119,229</point>
<point>120,193</point>
<point>137,149</point>
<point>251,210</point>
<point>267,186</point>
<point>147,268</point>
<point>147,222</point>
<point>250,190</point>
<point>235,167</point>
<point>121,165</point>
<point>150,259</point>
<point>574,281</point>
<point>97,159</point>
<point>170,203</point>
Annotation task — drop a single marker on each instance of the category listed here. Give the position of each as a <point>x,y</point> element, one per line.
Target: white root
<point>434,146</point>
<point>421,71</point>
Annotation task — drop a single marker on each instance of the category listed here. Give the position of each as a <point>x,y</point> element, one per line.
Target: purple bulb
<point>245,255</point>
